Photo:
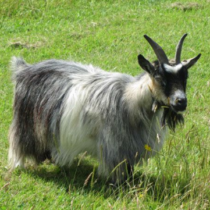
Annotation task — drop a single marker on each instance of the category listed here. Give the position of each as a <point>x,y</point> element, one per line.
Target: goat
<point>65,108</point>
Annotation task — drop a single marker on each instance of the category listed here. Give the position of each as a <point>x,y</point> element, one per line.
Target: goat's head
<point>169,76</point>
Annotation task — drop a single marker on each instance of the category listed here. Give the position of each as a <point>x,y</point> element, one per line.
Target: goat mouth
<point>179,108</point>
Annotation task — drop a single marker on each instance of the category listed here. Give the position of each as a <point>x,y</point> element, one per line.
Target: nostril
<point>179,104</point>
<point>181,101</point>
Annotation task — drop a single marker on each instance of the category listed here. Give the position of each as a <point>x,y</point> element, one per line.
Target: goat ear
<point>191,61</point>
<point>145,64</point>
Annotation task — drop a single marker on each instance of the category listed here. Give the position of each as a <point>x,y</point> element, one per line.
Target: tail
<point>18,64</point>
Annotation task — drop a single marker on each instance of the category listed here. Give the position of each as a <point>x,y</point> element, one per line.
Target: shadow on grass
<point>83,177</point>
<point>80,176</point>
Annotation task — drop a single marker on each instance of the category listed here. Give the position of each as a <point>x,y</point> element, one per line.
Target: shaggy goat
<point>64,108</point>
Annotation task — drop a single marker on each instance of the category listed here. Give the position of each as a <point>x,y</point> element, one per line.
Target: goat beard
<point>171,118</point>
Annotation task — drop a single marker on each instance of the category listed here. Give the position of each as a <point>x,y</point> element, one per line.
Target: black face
<point>171,77</point>
<point>173,80</point>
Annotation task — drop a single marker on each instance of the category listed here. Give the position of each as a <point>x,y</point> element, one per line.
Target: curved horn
<point>179,49</point>
<point>158,50</point>
<point>192,61</point>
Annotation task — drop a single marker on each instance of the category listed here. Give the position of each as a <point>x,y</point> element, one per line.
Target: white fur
<point>172,69</point>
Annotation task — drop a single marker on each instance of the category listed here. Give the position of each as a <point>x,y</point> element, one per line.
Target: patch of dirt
<point>185,6</point>
<point>25,45</point>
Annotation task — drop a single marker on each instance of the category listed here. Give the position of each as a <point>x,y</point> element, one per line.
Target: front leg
<point>115,163</point>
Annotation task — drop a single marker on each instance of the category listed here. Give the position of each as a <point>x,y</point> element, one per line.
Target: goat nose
<point>181,101</point>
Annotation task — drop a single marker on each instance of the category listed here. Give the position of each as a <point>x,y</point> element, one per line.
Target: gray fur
<point>64,108</point>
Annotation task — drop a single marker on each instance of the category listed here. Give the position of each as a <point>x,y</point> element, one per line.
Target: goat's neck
<point>140,96</point>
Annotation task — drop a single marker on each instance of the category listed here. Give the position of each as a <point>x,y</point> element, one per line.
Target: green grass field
<point>109,34</point>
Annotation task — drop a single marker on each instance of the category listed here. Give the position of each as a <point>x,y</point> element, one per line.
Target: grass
<point>109,34</point>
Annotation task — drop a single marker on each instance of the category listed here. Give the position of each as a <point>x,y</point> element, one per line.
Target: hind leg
<point>15,157</point>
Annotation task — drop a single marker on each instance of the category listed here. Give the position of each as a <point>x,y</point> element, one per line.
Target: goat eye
<point>160,80</point>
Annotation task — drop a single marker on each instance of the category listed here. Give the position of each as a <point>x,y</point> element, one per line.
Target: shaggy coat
<point>65,108</point>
